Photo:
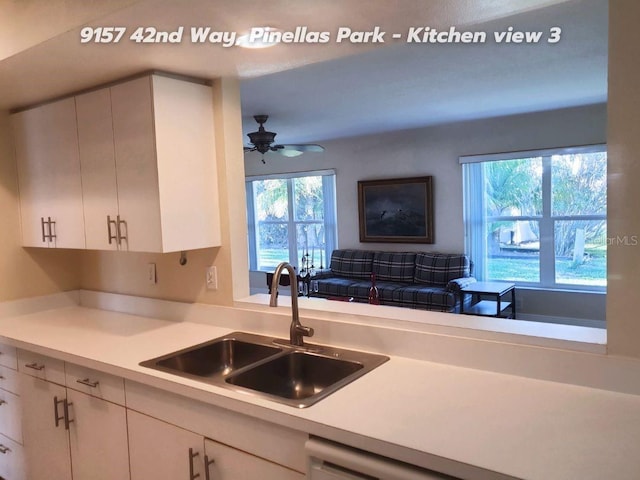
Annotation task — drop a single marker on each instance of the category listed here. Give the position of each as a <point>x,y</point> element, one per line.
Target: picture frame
<point>396,210</point>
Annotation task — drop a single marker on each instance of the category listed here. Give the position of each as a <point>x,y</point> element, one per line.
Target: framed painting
<point>398,210</point>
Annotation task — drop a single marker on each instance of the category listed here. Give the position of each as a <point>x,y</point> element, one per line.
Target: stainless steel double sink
<point>269,367</point>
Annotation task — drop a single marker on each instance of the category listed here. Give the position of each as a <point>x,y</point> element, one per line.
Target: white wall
<point>435,151</point>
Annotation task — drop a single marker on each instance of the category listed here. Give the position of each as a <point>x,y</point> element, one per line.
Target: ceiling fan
<point>261,141</point>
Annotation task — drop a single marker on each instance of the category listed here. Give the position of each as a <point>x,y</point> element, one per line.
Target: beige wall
<point>128,272</point>
<point>26,272</point>
<point>623,258</point>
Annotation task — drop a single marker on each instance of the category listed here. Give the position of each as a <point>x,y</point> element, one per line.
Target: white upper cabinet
<point>145,166</point>
<point>46,145</point>
<point>97,158</point>
<point>165,165</point>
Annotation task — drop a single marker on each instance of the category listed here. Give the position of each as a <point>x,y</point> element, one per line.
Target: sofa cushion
<point>352,263</point>
<point>434,298</point>
<point>394,266</point>
<point>440,268</point>
<point>335,287</point>
<point>360,290</point>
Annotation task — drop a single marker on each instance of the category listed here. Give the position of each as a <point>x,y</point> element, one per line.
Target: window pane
<point>513,251</point>
<point>308,198</point>
<point>513,187</point>
<point>579,184</point>
<point>311,240</point>
<point>271,200</point>
<point>273,245</point>
<point>581,252</point>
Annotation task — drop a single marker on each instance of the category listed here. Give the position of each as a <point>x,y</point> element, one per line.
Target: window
<point>538,218</point>
<point>291,215</point>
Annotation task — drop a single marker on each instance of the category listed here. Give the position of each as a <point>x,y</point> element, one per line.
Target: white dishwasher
<point>331,461</point>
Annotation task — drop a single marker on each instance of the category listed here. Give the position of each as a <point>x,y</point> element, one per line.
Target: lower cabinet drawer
<point>8,356</point>
<point>10,415</point>
<point>11,459</point>
<point>41,366</point>
<point>94,383</point>
<point>9,380</point>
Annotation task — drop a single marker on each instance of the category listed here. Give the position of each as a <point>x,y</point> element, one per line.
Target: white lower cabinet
<point>11,459</point>
<point>98,438</point>
<point>68,434</point>
<point>11,451</point>
<point>46,445</point>
<point>226,463</point>
<point>159,450</point>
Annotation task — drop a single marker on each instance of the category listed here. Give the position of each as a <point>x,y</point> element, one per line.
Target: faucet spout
<point>297,331</point>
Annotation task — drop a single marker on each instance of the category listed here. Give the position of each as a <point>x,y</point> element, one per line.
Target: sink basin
<point>215,358</point>
<point>269,367</point>
<point>295,376</point>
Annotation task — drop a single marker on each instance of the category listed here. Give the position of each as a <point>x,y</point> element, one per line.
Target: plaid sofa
<point>424,280</point>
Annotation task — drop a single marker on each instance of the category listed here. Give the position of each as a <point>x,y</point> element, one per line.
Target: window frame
<point>329,221</point>
<point>473,182</point>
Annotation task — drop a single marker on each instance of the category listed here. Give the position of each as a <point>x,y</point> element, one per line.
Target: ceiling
<point>317,92</point>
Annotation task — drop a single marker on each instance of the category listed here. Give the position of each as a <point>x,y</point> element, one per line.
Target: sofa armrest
<point>457,284</point>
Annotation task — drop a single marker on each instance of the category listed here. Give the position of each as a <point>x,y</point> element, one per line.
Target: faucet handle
<point>304,331</point>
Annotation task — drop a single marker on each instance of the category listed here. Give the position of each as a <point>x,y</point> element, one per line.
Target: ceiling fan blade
<point>295,150</point>
<point>305,147</point>
<point>249,149</point>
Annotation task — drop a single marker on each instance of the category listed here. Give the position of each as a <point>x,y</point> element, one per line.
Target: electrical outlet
<point>212,278</point>
<point>151,274</point>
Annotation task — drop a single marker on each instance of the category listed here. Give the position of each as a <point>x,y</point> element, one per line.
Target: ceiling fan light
<point>290,153</point>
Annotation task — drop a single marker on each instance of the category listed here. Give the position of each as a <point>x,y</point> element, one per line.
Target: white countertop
<point>417,411</point>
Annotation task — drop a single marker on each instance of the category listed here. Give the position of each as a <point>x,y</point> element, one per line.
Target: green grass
<point>525,269</point>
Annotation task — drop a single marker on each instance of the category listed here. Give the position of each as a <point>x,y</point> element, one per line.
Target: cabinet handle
<point>2,402</point>
<point>4,450</point>
<point>55,410</point>
<point>192,455</point>
<point>66,404</point>
<point>35,366</point>
<point>112,236</point>
<point>44,236</point>
<point>52,229</point>
<point>119,230</point>
<point>207,464</point>
<point>88,382</point>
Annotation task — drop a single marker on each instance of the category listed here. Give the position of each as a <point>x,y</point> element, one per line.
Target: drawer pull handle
<point>4,450</point>
<point>2,402</point>
<point>35,366</point>
<point>88,382</point>
<point>67,420</point>
<point>192,455</point>
<point>55,410</point>
<point>111,236</point>
<point>207,464</point>
<point>1,377</point>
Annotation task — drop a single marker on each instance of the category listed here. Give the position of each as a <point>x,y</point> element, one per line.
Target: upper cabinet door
<point>46,145</point>
<point>187,171</point>
<point>136,168</point>
<point>98,165</point>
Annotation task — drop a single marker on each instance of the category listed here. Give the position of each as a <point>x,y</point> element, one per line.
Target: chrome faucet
<point>297,331</point>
